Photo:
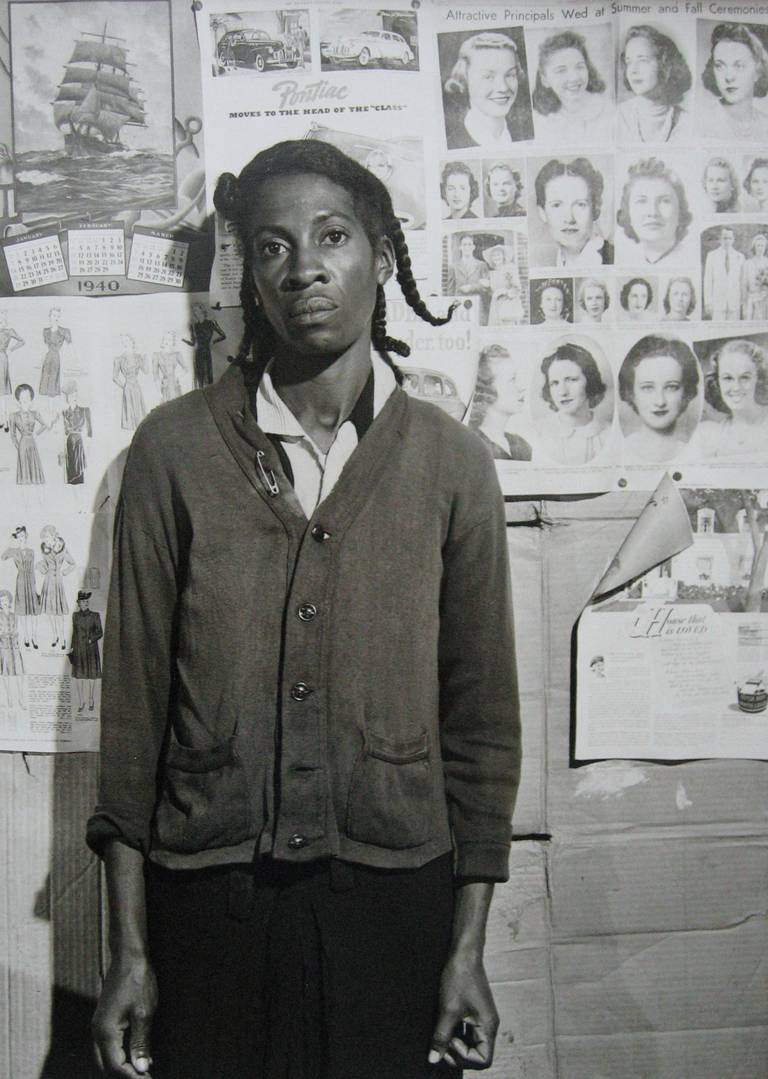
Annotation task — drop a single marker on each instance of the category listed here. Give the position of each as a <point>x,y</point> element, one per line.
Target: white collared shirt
<point>315,473</point>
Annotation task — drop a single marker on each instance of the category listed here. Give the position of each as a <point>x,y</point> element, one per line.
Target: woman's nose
<point>306,266</point>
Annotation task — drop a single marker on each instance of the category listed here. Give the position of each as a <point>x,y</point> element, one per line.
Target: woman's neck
<point>494,424</point>
<point>739,111</point>
<point>576,419</point>
<point>752,415</point>
<point>488,127</point>
<point>649,107</point>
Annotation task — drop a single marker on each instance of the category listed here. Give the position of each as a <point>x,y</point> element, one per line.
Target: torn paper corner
<point>662,530</point>
<point>609,779</point>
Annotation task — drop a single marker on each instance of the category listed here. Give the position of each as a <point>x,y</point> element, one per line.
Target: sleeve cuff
<point>482,861</point>
<point>104,826</point>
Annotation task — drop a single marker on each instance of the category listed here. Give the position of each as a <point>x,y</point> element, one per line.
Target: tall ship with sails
<point>97,97</point>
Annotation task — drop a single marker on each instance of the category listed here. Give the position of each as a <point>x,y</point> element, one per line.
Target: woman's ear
<point>386,260</point>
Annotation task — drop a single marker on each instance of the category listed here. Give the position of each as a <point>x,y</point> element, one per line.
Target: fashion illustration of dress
<point>86,631</point>
<point>126,374</point>
<point>50,376</point>
<point>6,336</point>
<point>11,660</point>
<point>76,421</point>
<point>755,287</point>
<point>165,364</point>
<point>26,600</point>
<point>53,568</point>
<point>24,425</point>
<point>202,334</point>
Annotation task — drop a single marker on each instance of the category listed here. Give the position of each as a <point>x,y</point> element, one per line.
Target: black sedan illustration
<point>254,49</point>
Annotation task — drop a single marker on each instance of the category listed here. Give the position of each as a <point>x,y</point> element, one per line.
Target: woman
<point>569,200</point>
<point>25,424</point>
<point>655,72</point>
<point>503,191</point>
<point>27,601</point>
<point>658,380</point>
<point>594,300</point>
<point>573,387</point>
<point>9,342</point>
<point>11,659</point>
<point>736,74</point>
<point>636,297</point>
<point>125,373</point>
<point>754,280</point>
<point>499,395</point>
<point>552,303</point>
<point>506,291</point>
<point>55,337</point>
<point>459,190</point>
<point>77,422</point>
<point>737,387</point>
<point>469,275</point>
<point>721,186</point>
<point>86,663</point>
<point>756,182</point>
<point>201,337</point>
<point>485,96</point>
<point>654,212</point>
<point>165,367</point>
<point>679,301</point>
<point>54,566</point>
<point>569,96</point>
<point>329,933</point>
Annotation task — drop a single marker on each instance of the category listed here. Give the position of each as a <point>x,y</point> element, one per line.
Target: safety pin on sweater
<point>268,477</point>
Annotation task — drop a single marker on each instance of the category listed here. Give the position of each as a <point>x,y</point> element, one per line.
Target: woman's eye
<point>270,248</point>
<point>335,237</point>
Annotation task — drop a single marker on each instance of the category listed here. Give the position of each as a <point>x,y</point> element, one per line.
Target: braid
<point>379,339</point>
<point>407,282</point>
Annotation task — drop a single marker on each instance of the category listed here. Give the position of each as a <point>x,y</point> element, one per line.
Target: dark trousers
<point>325,971</point>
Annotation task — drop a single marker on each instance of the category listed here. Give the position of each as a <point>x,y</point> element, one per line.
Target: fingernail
<point>434,1056</point>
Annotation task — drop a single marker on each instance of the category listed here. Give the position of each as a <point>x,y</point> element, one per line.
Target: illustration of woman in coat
<point>27,601</point>
<point>11,659</point>
<point>201,332</point>
<point>86,663</point>
<point>125,374</point>
<point>24,425</point>
<point>53,567</point>
<point>9,342</point>
<point>77,422</point>
<point>55,337</point>
<point>165,363</point>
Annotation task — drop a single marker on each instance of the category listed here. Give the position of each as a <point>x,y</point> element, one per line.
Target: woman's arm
<point>16,341</point>
<point>129,995</point>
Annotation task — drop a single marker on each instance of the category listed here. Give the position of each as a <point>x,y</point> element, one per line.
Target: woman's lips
<point>311,308</point>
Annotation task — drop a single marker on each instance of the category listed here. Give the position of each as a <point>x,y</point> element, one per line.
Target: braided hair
<point>235,195</point>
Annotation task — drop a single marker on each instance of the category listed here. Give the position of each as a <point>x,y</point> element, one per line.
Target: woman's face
<point>679,298</point>
<point>497,259</point>
<point>54,316</point>
<point>25,399</point>
<point>510,393</point>
<point>567,76</point>
<point>552,304</point>
<point>658,392</point>
<point>593,301</point>
<point>637,300</point>
<point>314,269</point>
<point>758,184</point>
<point>126,343</point>
<point>492,81</point>
<point>759,246</point>
<point>737,379</point>
<point>654,211</point>
<point>735,70</point>
<point>717,183</point>
<point>641,65</point>
<point>568,387</point>
<point>466,247</point>
<point>457,192</point>
<point>502,186</point>
<point>58,545</point>
<point>567,211</point>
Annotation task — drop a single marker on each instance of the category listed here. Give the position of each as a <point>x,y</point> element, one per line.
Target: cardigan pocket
<point>203,799</point>
<point>390,793</point>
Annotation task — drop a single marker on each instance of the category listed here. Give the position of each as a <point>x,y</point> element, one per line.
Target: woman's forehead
<point>299,197</point>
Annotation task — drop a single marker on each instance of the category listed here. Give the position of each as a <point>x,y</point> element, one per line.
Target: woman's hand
<point>127,1003</point>
<point>466,1028</point>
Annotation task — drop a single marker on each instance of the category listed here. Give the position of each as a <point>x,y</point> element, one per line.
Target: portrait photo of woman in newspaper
<point>569,202</point>
<point>756,183</point>
<point>310,733</point>
<point>736,77</point>
<point>653,214</point>
<point>485,90</point>
<point>636,298</point>
<point>571,99</point>
<point>500,395</point>
<point>593,300</point>
<point>459,190</point>
<point>656,74</point>
<point>721,186</point>
<point>679,301</point>
<point>573,387</point>
<point>736,389</point>
<point>658,380</point>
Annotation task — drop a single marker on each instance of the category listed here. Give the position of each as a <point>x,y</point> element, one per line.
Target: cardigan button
<point>297,841</point>
<point>318,533</point>
<point>307,612</point>
<point>300,691</point>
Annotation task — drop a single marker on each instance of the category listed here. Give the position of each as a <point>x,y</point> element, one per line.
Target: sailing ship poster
<point>92,99</point>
